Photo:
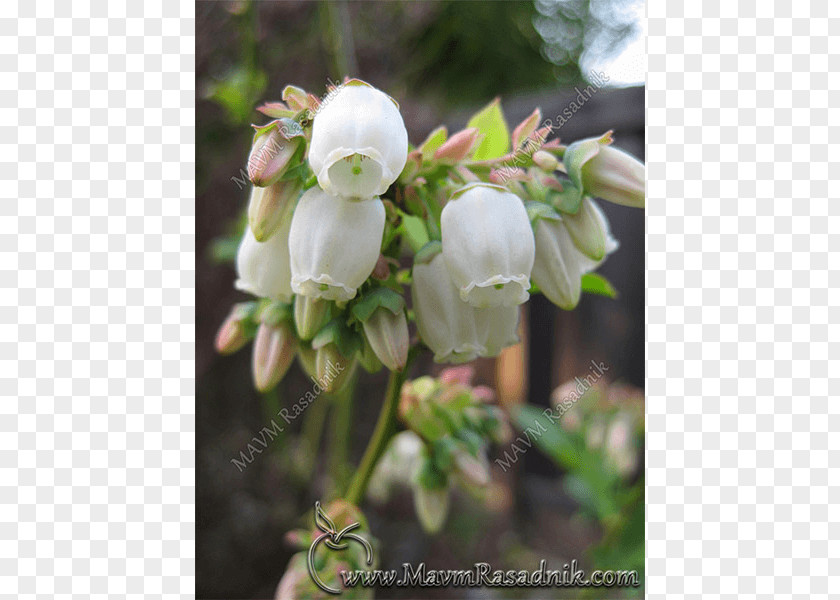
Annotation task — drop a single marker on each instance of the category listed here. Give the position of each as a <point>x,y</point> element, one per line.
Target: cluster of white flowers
<point>466,297</point>
<point>358,148</point>
<point>490,244</point>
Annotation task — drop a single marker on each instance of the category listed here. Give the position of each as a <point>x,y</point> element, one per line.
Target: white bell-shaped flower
<point>488,245</point>
<point>334,244</point>
<point>559,264</point>
<point>499,327</point>
<point>447,324</point>
<point>359,141</point>
<point>263,267</point>
<point>455,331</point>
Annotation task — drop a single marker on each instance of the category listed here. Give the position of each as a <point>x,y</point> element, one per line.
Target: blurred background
<point>442,61</point>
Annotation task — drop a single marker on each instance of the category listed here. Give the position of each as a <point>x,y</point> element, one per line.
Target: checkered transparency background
<point>96,308</point>
<point>96,367</point>
<point>743,299</point>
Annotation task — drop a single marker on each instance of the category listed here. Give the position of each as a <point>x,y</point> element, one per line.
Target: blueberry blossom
<point>359,141</point>
<point>488,245</point>
<point>455,331</point>
<point>334,244</point>
<point>263,267</point>
<point>559,264</point>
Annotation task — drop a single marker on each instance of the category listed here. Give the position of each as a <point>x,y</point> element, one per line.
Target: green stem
<point>310,436</point>
<point>340,423</point>
<point>382,433</point>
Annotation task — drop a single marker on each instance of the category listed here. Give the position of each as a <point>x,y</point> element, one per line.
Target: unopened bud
<point>236,330</point>
<point>271,153</point>
<point>545,161</point>
<point>588,230</point>
<point>310,315</point>
<point>368,359</point>
<point>295,97</point>
<point>606,172</point>
<point>459,146</point>
<point>306,359</point>
<point>387,334</point>
<point>270,205</point>
<point>526,128</point>
<point>274,349</point>
<point>332,369</point>
<point>431,506</point>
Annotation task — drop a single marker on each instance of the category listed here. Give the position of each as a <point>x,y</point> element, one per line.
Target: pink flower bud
<point>274,349</point>
<point>235,331</point>
<point>270,155</point>
<point>269,206</point>
<point>459,146</point>
<point>526,128</point>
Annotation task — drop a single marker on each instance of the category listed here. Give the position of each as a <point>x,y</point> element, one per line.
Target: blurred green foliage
<point>472,51</point>
<point>598,443</point>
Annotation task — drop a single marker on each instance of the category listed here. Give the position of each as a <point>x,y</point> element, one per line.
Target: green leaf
<point>433,142</point>
<point>384,297</point>
<point>595,283</point>
<point>548,435</point>
<point>415,231</point>
<point>491,122</point>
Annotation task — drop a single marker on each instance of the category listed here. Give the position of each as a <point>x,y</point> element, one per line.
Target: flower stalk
<point>382,433</point>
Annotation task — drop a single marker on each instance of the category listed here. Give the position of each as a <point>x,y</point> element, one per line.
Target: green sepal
<point>382,296</point>
<point>288,127</point>
<point>337,332</point>
<point>577,155</point>
<point>568,201</point>
<point>428,252</point>
<point>276,312</point>
<point>594,283</point>
<point>539,210</point>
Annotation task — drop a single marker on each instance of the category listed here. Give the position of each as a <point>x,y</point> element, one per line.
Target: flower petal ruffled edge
<point>312,287</point>
<point>461,354</point>
<point>343,152</point>
<point>467,292</point>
